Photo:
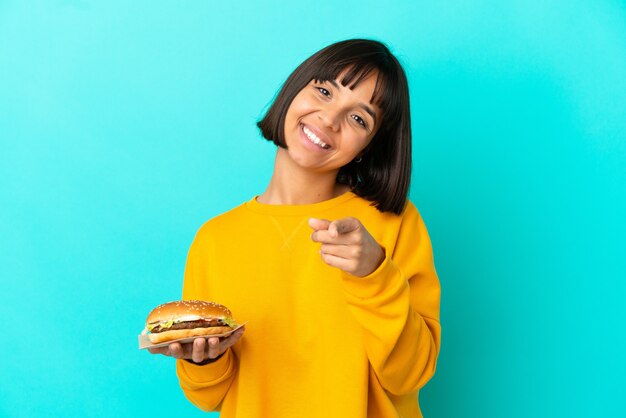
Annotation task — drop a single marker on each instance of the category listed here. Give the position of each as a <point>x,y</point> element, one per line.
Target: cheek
<point>359,141</point>
<point>352,146</point>
<point>299,106</point>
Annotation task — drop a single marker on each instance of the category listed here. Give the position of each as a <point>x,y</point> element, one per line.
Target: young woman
<point>331,266</point>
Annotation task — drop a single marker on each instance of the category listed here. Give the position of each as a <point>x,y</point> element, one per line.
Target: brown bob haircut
<point>384,172</point>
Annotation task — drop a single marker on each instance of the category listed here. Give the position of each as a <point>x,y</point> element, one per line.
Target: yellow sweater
<point>319,342</point>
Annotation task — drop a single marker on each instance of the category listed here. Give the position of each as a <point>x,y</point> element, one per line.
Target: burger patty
<point>191,324</point>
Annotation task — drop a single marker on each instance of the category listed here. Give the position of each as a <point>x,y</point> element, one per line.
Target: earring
<point>358,160</point>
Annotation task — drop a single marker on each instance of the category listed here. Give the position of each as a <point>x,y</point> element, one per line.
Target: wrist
<point>207,361</point>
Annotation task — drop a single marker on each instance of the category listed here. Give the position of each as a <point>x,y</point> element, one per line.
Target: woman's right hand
<point>200,349</point>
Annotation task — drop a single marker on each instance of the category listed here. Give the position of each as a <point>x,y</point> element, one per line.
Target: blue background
<point>125,125</point>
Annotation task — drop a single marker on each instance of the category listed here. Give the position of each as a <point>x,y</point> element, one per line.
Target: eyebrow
<point>363,106</point>
<point>369,110</point>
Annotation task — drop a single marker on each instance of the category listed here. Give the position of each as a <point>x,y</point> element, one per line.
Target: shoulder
<point>410,211</point>
<point>411,219</point>
<point>384,226</point>
<point>367,208</point>
<point>221,223</point>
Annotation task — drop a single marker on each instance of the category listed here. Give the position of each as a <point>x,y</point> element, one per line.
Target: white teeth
<point>314,138</point>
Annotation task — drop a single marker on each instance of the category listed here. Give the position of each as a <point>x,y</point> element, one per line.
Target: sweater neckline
<point>295,210</point>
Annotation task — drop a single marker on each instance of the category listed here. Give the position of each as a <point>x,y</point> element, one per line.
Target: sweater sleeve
<point>205,386</point>
<point>397,307</point>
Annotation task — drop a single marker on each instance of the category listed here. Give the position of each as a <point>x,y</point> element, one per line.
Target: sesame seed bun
<point>188,318</point>
<point>181,308</point>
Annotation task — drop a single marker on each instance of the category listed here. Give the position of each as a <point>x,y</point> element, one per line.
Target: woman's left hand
<point>347,245</point>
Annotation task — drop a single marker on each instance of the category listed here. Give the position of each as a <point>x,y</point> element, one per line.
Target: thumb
<point>343,226</point>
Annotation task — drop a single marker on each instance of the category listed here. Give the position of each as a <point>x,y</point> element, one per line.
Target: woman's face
<point>328,125</point>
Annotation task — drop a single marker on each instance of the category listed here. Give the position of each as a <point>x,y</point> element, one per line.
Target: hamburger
<point>188,318</point>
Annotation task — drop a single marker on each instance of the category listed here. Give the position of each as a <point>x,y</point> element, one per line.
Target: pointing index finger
<point>318,224</point>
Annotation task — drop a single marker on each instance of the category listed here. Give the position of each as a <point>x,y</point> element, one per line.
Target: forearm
<point>401,337</point>
<point>206,385</point>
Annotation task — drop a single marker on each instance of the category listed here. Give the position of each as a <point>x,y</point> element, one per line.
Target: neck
<point>292,185</point>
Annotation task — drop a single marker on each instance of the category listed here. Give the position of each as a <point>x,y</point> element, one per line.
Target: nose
<point>330,117</point>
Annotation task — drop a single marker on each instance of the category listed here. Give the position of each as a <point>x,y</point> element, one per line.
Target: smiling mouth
<point>314,139</point>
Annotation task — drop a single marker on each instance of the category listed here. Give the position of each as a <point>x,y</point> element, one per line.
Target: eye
<point>360,121</point>
<point>323,91</point>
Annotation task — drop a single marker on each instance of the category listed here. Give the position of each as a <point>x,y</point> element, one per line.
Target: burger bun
<point>177,334</point>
